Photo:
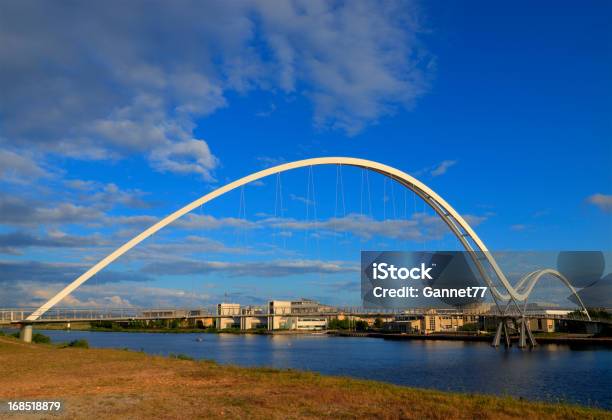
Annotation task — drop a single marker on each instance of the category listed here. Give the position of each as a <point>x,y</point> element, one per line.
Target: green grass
<point>180,356</point>
<point>81,344</point>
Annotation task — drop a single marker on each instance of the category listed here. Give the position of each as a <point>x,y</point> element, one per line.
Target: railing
<point>57,314</point>
<point>15,315</point>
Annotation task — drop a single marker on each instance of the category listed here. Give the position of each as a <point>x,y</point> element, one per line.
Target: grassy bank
<point>119,384</point>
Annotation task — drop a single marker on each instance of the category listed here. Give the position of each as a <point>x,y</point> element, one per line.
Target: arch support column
<point>25,333</point>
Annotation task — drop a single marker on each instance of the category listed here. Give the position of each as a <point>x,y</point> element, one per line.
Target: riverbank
<point>119,384</point>
<point>554,338</point>
<point>89,328</point>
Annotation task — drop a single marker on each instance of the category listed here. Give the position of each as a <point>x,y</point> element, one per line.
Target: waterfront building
<point>278,311</point>
<point>310,306</point>
<point>549,321</point>
<point>253,317</point>
<point>405,323</point>
<point>229,316</point>
<point>434,322</point>
<point>547,325</point>
<point>308,323</point>
<point>312,321</point>
<point>431,321</point>
<point>285,315</point>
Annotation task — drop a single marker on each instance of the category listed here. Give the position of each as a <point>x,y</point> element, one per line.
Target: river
<point>548,372</point>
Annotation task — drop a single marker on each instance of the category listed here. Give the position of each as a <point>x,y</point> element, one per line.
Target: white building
<point>287,315</point>
<point>229,316</point>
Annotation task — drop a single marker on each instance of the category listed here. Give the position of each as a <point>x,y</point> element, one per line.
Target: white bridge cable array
<point>459,227</point>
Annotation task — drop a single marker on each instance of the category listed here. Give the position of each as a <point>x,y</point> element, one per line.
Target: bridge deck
<point>18,316</point>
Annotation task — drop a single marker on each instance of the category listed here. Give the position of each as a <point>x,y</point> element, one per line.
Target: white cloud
<point>442,167</point>
<point>301,199</point>
<point>103,296</point>
<point>194,221</point>
<point>276,268</point>
<point>603,201</point>
<point>267,112</point>
<point>420,227</point>
<point>435,170</point>
<point>357,61</point>
<point>106,195</point>
<point>143,73</point>
<point>15,242</point>
<point>19,211</point>
<point>20,168</point>
<point>190,156</point>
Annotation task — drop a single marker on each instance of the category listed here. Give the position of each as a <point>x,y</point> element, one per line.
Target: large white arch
<point>460,228</point>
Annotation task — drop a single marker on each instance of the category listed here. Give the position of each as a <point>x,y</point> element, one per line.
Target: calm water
<point>549,372</point>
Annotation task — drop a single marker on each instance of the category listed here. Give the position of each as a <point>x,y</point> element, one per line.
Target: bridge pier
<point>502,330</point>
<point>527,329</point>
<point>526,338</point>
<point>498,333</point>
<point>522,335</point>
<point>25,333</point>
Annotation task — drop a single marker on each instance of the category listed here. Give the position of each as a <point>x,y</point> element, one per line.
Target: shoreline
<point>571,340</point>
<point>119,383</point>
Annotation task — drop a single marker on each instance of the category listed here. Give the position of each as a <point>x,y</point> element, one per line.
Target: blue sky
<point>113,116</point>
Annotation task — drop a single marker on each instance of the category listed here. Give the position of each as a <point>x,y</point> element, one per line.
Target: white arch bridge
<point>502,290</point>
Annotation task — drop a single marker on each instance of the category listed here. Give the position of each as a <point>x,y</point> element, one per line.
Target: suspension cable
<point>384,198</point>
<point>393,199</point>
<point>314,210</point>
<point>278,204</point>
<point>361,193</point>
<point>369,193</point>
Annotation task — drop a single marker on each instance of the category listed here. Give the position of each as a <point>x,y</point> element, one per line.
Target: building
<point>253,317</point>
<point>429,322</point>
<point>300,314</point>
<point>308,323</point>
<point>473,312</point>
<point>434,322</point>
<point>405,323</point>
<point>204,322</point>
<point>278,311</point>
<point>229,316</point>
<point>542,325</point>
<point>309,306</point>
<point>548,322</point>
<point>201,318</point>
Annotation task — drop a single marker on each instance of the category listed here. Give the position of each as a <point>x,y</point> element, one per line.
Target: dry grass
<point>124,384</point>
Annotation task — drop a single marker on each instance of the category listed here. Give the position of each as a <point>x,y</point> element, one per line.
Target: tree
<point>361,325</point>
<point>338,324</point>
<point>468,327</point>
<point>378,323</point>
